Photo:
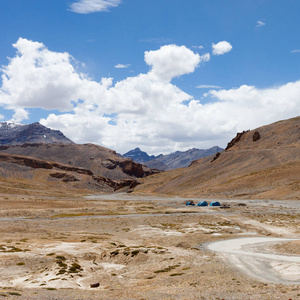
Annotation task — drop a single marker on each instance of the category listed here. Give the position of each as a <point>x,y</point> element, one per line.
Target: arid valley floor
<point>55,244</point>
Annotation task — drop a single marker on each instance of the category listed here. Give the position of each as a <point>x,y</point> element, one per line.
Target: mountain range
<point>178,159</point>
<point>263,163</point>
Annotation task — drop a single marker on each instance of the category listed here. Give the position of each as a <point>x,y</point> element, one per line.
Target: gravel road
<point>251,256</point>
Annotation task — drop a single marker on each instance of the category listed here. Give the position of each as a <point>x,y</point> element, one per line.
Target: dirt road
<point>251,256</point>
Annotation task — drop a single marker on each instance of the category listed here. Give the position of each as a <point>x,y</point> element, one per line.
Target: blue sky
<point>147,73</point>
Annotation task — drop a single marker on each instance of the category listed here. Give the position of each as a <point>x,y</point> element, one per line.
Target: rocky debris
<point>256,136</point>
<point>236,139</point>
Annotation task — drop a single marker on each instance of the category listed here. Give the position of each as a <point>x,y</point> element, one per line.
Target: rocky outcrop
<point>236,139</point>
<point>132,168</point>
<point>25,161</point>
<point>116,185</point>
<point>72,169</point>
<point>216,156</point>
<point>256,136</point>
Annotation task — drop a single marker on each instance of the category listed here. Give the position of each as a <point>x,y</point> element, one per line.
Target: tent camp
<point>216,203</point>
<point>202,203</point>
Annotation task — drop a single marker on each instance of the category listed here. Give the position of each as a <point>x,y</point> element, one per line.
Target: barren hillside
<point>88,166</point>
<point>261,163</point>
<point>100,160</point>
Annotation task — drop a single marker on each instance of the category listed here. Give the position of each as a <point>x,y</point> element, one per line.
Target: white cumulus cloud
<point>146,110</point>
<point>221,48</point>
<point>91,6</point>
<point>37,77</point>
<point>171,61</point>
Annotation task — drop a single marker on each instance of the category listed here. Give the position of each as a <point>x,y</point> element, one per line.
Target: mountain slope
<point>262,163</point>
<point>85,167</point>
<point>101,161</point>
<point>17,134</point>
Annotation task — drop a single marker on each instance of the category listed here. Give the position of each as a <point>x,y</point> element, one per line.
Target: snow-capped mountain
<point>17,134</point>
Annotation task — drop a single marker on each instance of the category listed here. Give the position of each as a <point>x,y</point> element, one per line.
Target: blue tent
<point>190,203</point>
<point>202,203</point>
<point>216,203</point>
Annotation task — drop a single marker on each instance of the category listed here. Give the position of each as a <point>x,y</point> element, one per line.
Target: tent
<point>216,203</point>
<point>202,203</point>
<point>190,203</point>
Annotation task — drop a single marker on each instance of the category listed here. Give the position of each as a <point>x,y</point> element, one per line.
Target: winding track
<point>250,255</point>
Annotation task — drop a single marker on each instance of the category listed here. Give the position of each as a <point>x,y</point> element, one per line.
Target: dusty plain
<point>55,243</point>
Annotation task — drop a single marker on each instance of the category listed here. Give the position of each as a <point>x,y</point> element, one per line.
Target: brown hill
<point>86,166</point>
<point>261,163</point>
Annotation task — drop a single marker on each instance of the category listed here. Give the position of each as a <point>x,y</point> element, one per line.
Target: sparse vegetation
<point>168,269</point>
<point>14,294</point>
<point>75,268</point>
<point>176,274</point>
<point>60,257</point>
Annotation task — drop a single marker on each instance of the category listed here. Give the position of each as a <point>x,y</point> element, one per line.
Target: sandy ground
<point>147,247</point>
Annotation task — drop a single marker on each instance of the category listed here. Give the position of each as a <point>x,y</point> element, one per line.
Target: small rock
<point>95,285</point>
<point>256,136</point>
